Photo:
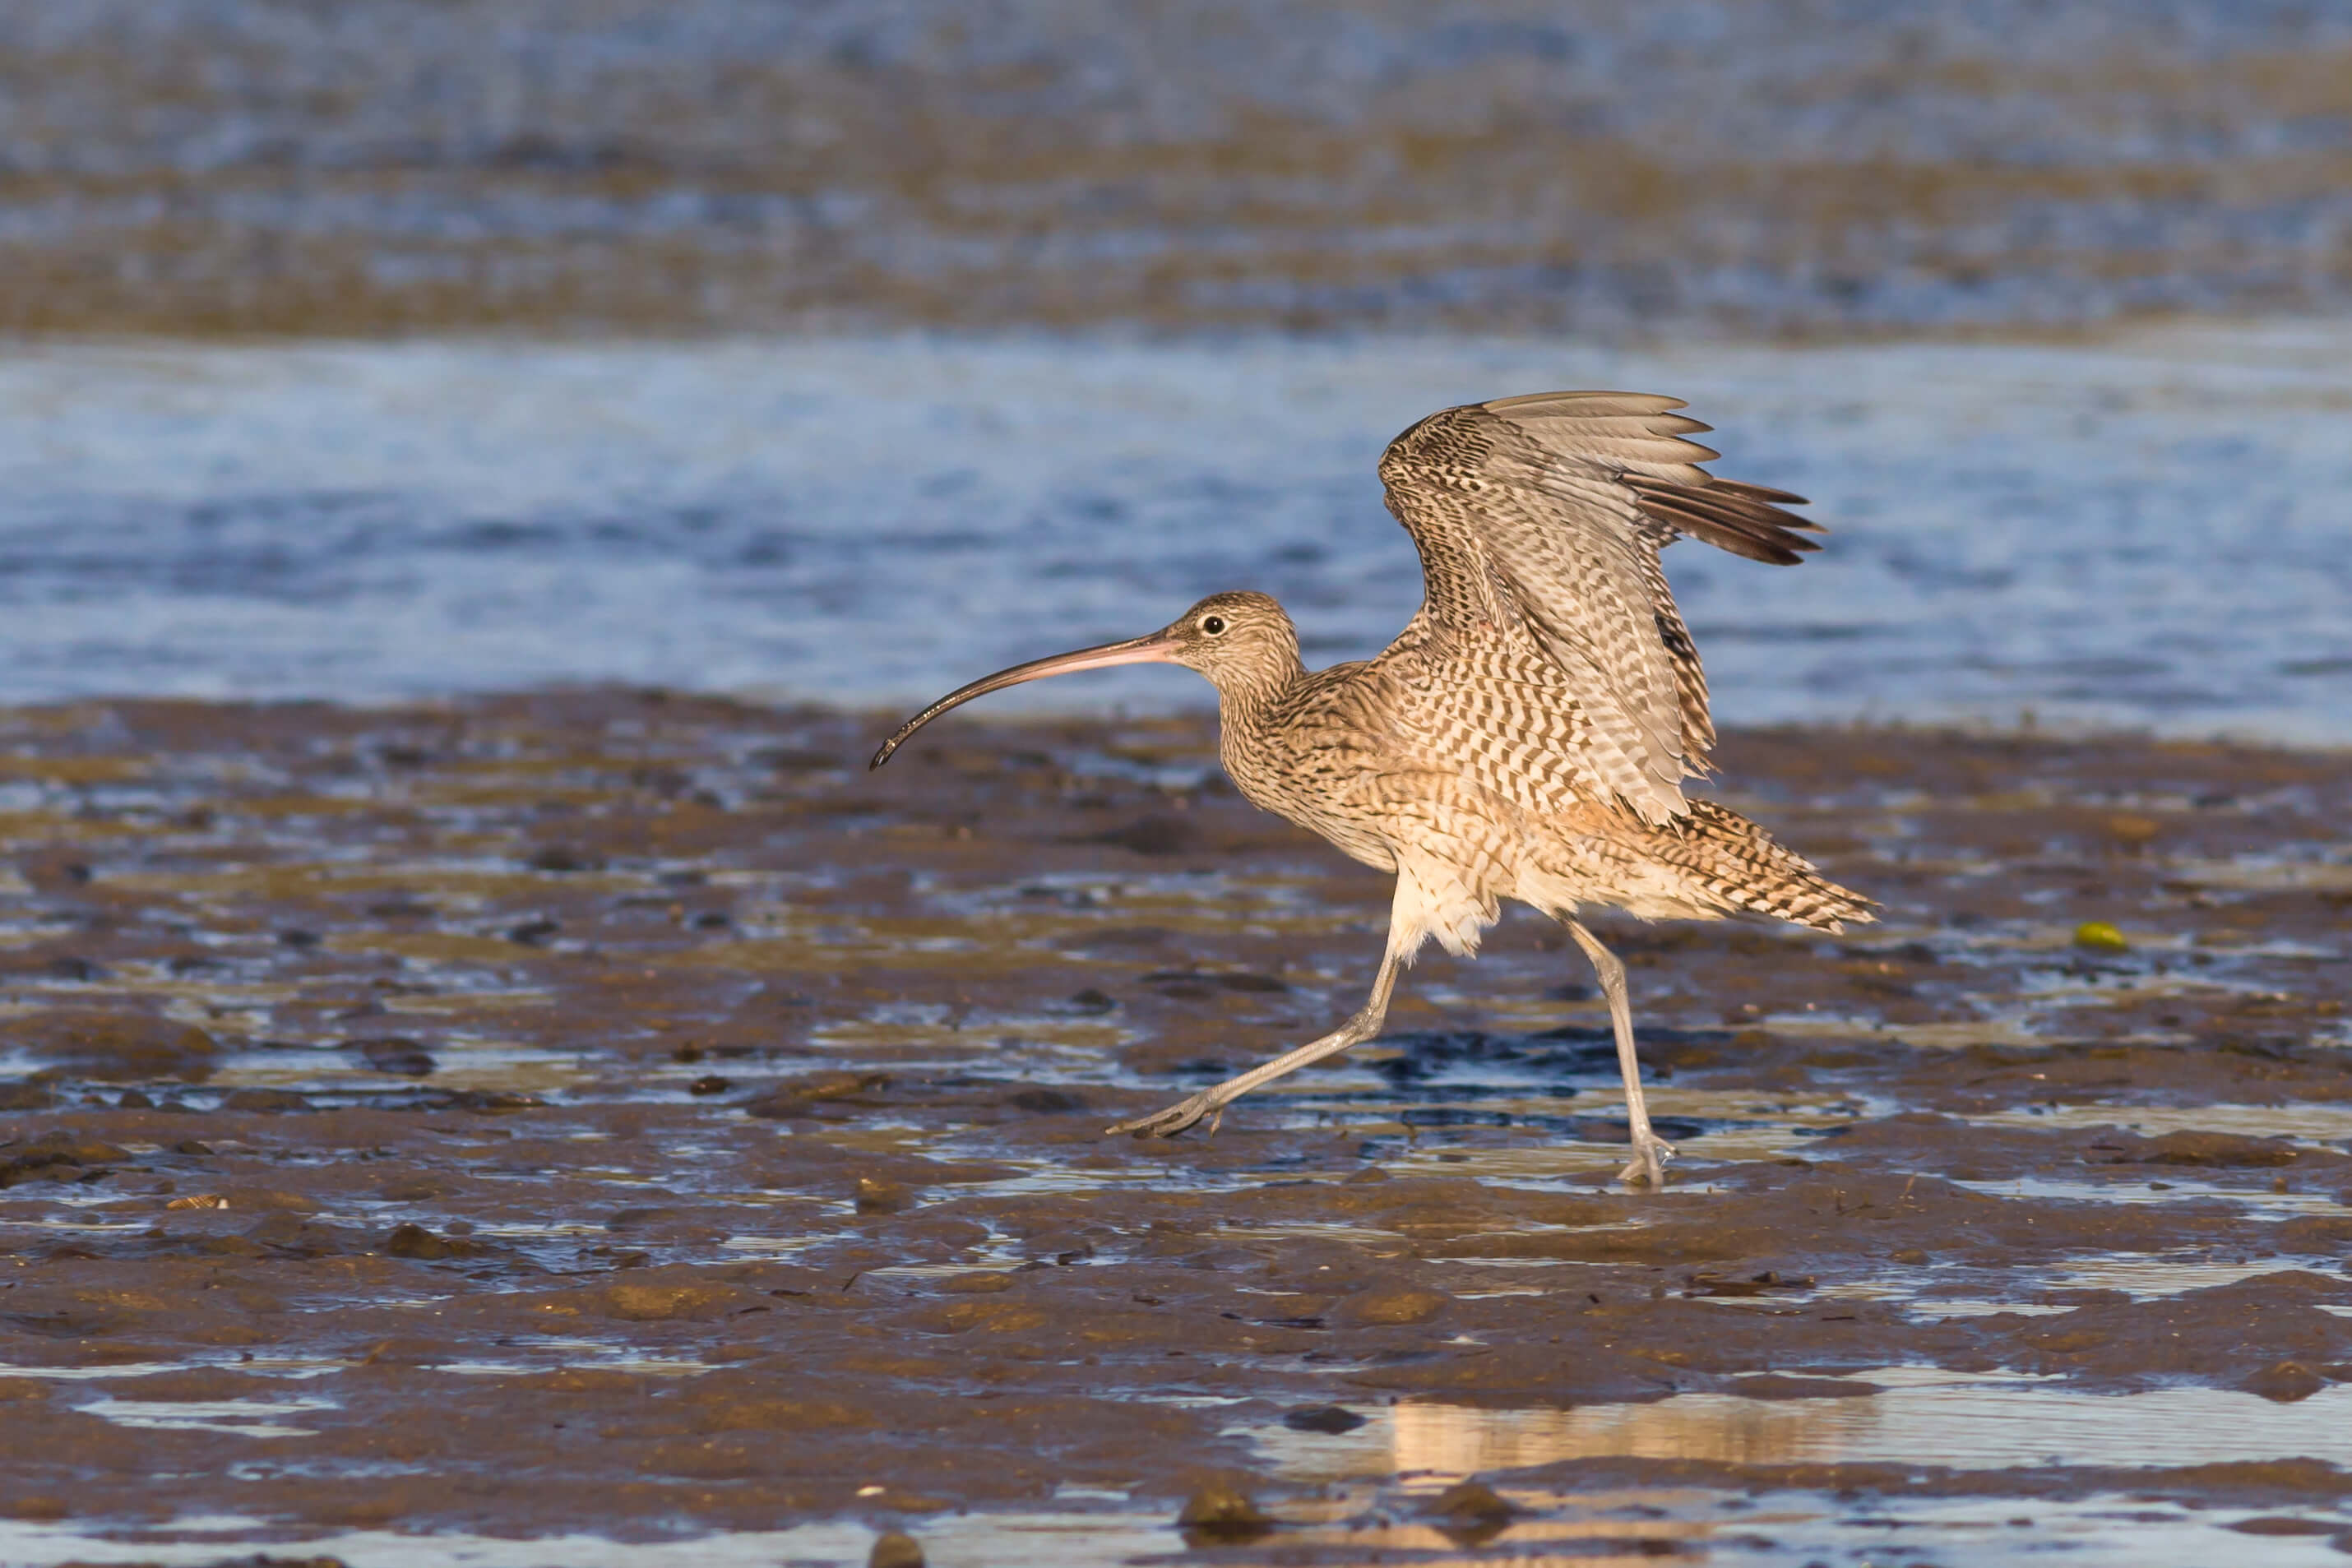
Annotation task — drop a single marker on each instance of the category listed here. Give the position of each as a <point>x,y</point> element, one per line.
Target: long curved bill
<point>1158,648</point>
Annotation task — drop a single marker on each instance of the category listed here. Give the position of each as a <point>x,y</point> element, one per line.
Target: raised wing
<point>1542,517</point>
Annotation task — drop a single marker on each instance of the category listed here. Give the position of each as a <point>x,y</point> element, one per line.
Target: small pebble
<point>2100,936</point>
<point>413,1240</point>
<point>394,1054</point>
<point>882,1196</point>
<point>1329,1419</point>
<point>895,1549</point>
<point>1221,1509</point>
<point>2284,1381</point>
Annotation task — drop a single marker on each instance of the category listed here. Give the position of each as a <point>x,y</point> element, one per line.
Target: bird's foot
<point>1651,1154</point>
<point>1177,1117</point>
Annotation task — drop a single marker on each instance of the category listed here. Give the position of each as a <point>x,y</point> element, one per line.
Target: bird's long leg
<point>1650,1151</point>
<point>1363,1025</point>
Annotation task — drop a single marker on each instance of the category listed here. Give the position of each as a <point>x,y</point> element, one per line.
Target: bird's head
<point>1243,637</point>
<point>1242,641</point>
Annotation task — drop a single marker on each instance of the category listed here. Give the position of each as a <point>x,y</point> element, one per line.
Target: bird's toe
<point>1164,1123</point>
<point>1648,1163</point>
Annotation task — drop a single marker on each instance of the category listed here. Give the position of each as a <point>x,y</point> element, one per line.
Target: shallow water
<point>2145,532</point>
<point>2112,1530</point>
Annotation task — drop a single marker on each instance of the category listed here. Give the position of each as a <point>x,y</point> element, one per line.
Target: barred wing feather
<point>1539,520</point>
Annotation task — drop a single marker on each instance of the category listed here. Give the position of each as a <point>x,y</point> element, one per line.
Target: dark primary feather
<point>1729,516</point>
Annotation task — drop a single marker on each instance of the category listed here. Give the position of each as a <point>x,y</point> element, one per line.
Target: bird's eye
<point>1213,624</point>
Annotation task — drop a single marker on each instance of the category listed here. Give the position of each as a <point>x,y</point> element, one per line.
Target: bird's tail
<point>1740,867</point>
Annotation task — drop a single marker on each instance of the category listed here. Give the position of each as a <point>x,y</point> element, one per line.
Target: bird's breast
<point>1312,775</point>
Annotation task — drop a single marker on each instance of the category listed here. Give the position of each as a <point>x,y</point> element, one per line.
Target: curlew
<point>1527,735</point>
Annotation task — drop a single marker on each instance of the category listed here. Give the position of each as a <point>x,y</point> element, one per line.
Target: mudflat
<point>615,1114</point>
<point>374,168</point>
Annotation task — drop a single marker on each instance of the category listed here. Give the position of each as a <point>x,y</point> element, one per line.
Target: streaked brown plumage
<point>1527,734</point>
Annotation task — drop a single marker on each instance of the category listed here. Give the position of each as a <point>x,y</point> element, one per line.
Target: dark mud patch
<point>761,1189</point>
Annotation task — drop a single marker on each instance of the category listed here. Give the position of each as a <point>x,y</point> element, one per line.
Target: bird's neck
<point>1247,699</point>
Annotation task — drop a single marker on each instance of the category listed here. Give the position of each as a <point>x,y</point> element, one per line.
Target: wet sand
<point>617,1115</point>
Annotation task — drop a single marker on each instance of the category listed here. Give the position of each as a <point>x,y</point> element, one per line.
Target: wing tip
<point>1590,402</point>
<point>1771,497</point>
<point>1731,516</point>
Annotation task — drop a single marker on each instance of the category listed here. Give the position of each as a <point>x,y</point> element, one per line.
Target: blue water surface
<point>2148,532</point>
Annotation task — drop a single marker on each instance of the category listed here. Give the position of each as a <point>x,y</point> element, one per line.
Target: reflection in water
<point>1969,1425</point>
